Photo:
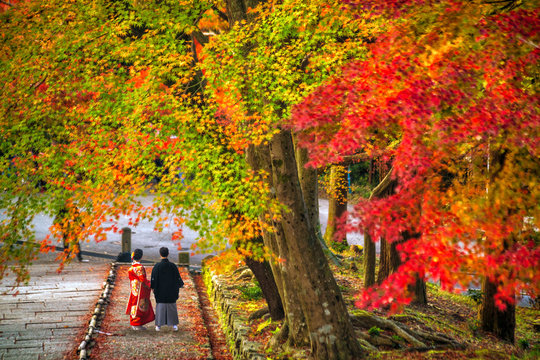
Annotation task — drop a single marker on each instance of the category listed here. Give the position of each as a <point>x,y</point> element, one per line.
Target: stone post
<point>126,240</point>
<point>183,258</point>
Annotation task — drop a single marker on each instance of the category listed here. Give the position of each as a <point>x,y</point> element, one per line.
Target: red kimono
<point>139,307</point>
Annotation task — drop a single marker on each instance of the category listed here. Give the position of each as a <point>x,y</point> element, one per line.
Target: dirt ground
<point>448,314</point>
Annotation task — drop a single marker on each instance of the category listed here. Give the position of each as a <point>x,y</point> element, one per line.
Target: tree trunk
<point>385,188</point>
<point>265,277</point>
<point>390,262</point>
<point>295,325</point>
<point>304,272</point>
<point>337,205</point>
<point>502,323</point>
<point>295,313</point>
<point>310,190</point>
<point>329,327</point>
<point>309,184</point>
<point>369,261</point>
<point>418,290</point>
<point>389,258</point>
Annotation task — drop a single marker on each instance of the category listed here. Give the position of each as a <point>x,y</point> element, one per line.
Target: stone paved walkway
<point>50,314</point>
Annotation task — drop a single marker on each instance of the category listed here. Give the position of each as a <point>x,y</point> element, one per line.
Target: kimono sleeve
<point>140,272</point>
<point>154,277</point>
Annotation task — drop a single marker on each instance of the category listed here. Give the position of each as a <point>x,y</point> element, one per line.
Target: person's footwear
<point>175,328</point>
<point>138,328</point>
<point>158,328</point>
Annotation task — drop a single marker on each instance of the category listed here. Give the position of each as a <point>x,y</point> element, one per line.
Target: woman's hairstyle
<point>137,254</point>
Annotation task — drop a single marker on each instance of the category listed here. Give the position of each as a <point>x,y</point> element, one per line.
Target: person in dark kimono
<point>166,283</point>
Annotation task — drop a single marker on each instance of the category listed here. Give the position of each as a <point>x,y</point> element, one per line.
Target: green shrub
<point>374,331</point>
<point>338,246</point>
<point>251,291</point>
<point>524,344</point>
<point>476,295</point>
<point>532,354</point>
<point>474,326</point>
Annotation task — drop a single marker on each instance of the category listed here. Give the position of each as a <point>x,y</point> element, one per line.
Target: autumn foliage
<point>102,102</point>
<point>448,95</point>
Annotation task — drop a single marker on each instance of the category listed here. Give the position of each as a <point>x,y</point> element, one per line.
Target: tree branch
<point>200,37</point>
<point>37,84</point>
<point>349,159</point>
<point>386,182</point>
<point>6,3</point>
<point>220,13</point>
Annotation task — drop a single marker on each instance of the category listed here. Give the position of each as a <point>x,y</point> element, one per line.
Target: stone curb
<point>97,316</point>
<point>230,319</point>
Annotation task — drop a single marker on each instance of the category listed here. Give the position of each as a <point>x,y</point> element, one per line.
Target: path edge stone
<point>94,324</point>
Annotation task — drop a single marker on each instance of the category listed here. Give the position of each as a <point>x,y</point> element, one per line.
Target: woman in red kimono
<point>139,307</point>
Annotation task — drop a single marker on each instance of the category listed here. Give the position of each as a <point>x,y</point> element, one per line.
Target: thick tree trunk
<point>309,184</point>
<point>502,323</point>
<point>265,277</point>
<point>310,190</point>
<point>295,313</point>
<point>304,272</point>
<point>389,260</point>
<point>337,204</point>
<point>295,329</point>
<point>330,330</point>
<point>418,290</point>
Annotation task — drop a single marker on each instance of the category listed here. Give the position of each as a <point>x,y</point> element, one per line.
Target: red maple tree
<point>448,96</point>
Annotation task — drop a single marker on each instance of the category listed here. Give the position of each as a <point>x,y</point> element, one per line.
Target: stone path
<point>118,341</point>
<point>50,314</point>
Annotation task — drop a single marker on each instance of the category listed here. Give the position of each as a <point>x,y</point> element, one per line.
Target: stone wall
<point>232,322</point>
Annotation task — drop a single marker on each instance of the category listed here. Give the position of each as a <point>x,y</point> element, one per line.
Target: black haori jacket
<point>166,281</point>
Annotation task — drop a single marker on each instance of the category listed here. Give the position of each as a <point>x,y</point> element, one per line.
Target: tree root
<point>418,339</point>
<point>259,313</point>
<point>431,318</point>
<point>278,340</point>
<point>440,338</point>
<point>364,340</point>
<point>369,320</point>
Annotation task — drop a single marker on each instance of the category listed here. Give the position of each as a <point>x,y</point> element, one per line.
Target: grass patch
<point>251,291</point>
